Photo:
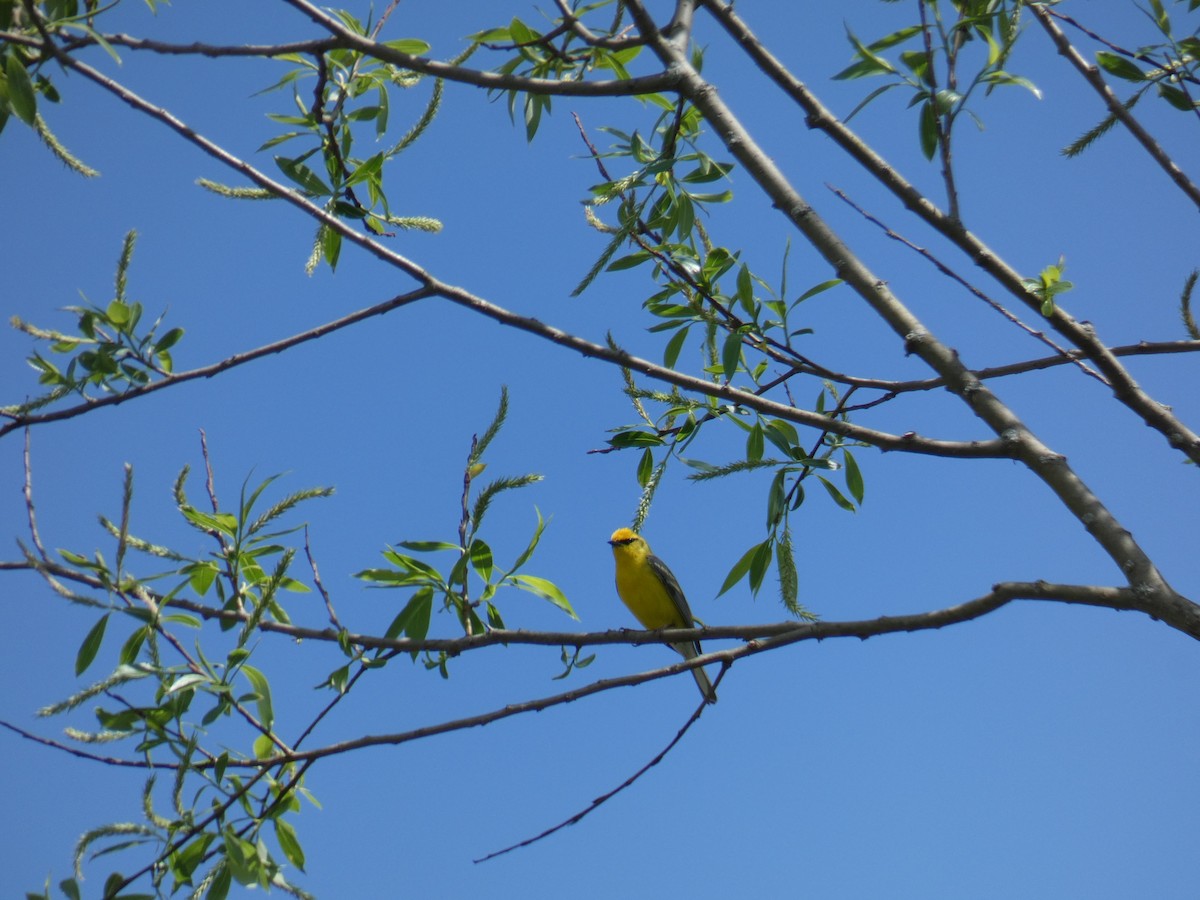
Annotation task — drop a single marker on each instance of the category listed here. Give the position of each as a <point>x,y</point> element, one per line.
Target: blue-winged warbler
<point>648,588</point>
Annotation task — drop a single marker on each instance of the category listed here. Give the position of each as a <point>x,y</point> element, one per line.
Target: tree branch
<point>347,39</point>
<point>1052,468</point>
<point>909,442</point>
<point>1125,389</point>
<point>1091,74</point>
<point>238,359</point>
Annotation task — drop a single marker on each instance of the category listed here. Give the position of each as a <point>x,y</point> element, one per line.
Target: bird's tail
<point>691,651</point>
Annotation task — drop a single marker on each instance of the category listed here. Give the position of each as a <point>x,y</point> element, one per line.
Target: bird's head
<point>623,537</point>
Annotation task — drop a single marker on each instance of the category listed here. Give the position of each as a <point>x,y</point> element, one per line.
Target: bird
<point>653,595</point>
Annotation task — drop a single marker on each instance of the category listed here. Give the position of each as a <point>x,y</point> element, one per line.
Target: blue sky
<point>1042,751</point>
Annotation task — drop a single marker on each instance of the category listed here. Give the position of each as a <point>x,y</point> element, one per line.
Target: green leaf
<point>185,861</point>
<point>782,434</point>
<point>731,354</point>
<point>628,262</point>
<point>426,546</point>
<point>896,37</point>
<point>240,857</point>
<point>674,345</point>
<point>741,567</point>
<point>533,542</point>
<point>21,97</point>
<point>645,467</point>
<point>838,497</point>
<point>168,340</point>
<point>413,620</point>
<point>521,33</point>
<point>817,289</point>
<point>90,646</point>
<point>754,443</point>
<point>262,692</point>
<point>759,563</point>
<point>928,129</point>
<point>331,245</point>
<point>184,682</point>
<point>545,589</point>
<point>869,62</point>
<point>201,576</point>
<point>481,559</point>
<point>745,289</point>
<point>302,175</point>
<point>222,523</point>
<point>776,499</point>
<point>119,314</point>
<point>222,881</point>
<point>411,46</point>
<point>1160,17</point>
<point>635,438</point>
<point>1176,98</point>
<point>854,479</point>
<point>288,843</point>
<point>1119,66</point>
<point>1001,77</point>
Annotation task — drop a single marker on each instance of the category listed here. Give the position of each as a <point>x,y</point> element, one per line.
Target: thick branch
<point>1125,388</point>
<point>1050,467</point>
<point>1091,74</point>
<point>1119,598</point>
<point>792,633</point>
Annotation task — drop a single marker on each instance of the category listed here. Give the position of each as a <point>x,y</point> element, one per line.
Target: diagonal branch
<point>645,84</point>
<point>954,276</point>
<point>909,442</point>
<point>238,359</point>
<point>605,797</point>
<point>1091,74</point>
<point>1157,415</point>
<point>1050,467</point>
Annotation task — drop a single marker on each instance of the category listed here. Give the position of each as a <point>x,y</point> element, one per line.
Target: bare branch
<point>628,782</point>
<point>950,273</point>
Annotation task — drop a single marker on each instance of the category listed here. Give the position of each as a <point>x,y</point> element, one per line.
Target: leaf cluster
<point>934,73</point>
<point>109,351</point>
<point>558,53</point>
<point>1170,68</point>
<point>215,826</point>
<point>453,590</point>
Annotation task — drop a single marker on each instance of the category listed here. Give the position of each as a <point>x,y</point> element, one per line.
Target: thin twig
<point>603,798</point>
<point>312,563</point>
<point>950,273</point>
<point>231,362</point>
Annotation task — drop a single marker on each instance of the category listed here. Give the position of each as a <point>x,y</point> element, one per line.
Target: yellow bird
<point>647,587</point>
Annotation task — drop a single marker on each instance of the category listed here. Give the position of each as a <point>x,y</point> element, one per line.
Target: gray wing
<point>673,589</point>
<point>692,648</point>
